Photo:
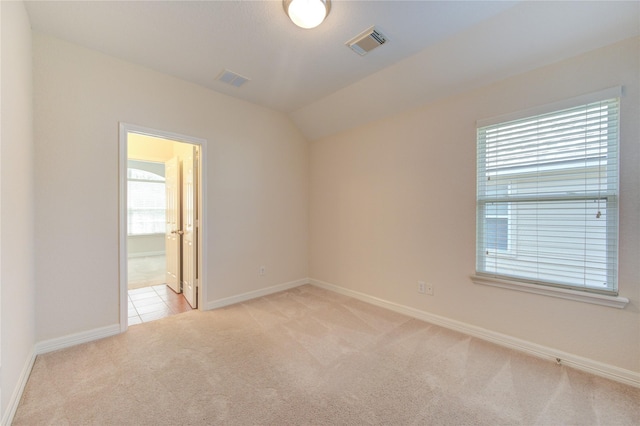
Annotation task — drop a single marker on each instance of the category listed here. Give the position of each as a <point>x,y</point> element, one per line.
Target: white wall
<point>257,189</point>
<point>393,202</point>
<point>16,192</point>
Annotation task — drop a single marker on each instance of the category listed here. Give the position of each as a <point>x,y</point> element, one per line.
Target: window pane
<point>497,234</point>
<point>146,207</point>
<point>547,198</point>
<point>562,242</point>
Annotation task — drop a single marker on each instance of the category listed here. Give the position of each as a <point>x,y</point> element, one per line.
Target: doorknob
<point>177,232</point>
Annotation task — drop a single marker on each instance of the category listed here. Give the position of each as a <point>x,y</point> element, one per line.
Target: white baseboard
<point>76,339</point>
<point>254,294</point>
<point>16,396</point>
<point>585,364</point>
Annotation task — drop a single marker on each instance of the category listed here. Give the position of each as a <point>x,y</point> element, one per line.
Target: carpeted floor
<point>308,356</point>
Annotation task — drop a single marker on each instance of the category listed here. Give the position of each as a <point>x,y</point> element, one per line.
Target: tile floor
<point>155,302</point>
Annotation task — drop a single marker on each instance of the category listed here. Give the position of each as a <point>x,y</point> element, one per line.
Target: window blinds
<point>547,198</point>
<point>146,203</point>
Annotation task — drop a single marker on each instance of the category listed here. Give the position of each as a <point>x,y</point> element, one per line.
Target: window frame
<point>590,295</point>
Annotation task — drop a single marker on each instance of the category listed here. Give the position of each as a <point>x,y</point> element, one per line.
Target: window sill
<point>563,293</point>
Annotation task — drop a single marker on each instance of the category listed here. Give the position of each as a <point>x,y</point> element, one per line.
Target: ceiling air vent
<point>366,41</point>
<point>232,78</point>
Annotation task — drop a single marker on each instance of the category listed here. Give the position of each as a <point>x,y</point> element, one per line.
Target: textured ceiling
<point>434,48</point>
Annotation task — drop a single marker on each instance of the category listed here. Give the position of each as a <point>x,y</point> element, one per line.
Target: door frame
<point>125,129</point>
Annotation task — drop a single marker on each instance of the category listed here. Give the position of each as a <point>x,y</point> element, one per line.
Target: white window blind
<point>146,203</point>
<point>547,198</point>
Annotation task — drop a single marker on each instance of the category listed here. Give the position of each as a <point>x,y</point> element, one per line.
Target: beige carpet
<point>310,357</point>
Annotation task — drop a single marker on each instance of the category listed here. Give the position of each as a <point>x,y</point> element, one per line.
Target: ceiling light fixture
<point>307,13</point>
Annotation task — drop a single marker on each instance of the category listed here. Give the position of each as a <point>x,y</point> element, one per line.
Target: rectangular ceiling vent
<point>232,78</point>
<point>366,41</point>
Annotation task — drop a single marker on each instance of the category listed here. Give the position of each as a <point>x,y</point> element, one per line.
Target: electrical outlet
<point>429,289</point>
<point>421,287</point>
<point>262,270</point>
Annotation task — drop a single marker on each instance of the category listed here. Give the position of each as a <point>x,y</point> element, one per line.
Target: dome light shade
<point>307,13</point>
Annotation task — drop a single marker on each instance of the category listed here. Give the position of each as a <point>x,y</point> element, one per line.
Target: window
<point>547,198</point>
<point>146,203</point>
<point>497,217</point>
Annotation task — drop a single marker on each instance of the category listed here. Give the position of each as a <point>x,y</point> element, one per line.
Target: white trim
<point>16,396</point>
<point>612,92</point>
<point>76,339</point>
<point>580,363</point>
<point>202,222</point>
<point>255,294</point>
<point>123,226</point>
<point>562,293</point>
<point>126,128</point>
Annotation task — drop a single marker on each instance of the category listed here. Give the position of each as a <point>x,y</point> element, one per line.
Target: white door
<point>189,226</point>
<point>172,230</point>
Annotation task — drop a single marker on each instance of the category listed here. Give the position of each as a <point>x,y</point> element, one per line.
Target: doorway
<point>161,210</point>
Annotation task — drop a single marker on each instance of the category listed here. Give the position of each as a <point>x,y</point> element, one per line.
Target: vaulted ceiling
<point>434,48</point>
